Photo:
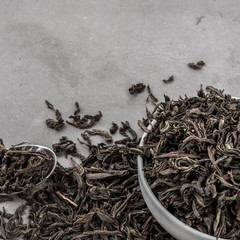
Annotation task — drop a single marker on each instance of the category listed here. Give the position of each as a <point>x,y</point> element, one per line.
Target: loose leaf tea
<point>67,147</point>
<point>136,88</point>
<point>170,79</point>
<point>100,132</point>
<point>113,128</point>
<point>22,169</point>
<point>196,66</point>
<point>191,159</point>
<point>11,225</point>
<point>194,163</point>
<point>127,128</point>
<point>55,124</point>
<point>5,198</point>
<point>99,199</point>
<point>86,121</point>
<point>77,111</point>
<point>151,97</point>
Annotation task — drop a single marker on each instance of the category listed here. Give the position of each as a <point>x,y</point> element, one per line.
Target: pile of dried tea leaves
<point>98,199</point>
<point>193,160</point>
<point>21,169</point>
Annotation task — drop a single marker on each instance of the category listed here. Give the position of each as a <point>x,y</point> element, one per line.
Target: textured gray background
<point>92,51</point>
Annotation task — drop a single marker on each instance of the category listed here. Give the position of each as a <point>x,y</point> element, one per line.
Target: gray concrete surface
<point>92,51</point>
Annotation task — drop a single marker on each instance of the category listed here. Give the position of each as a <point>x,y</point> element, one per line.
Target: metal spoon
<point>36,148</point>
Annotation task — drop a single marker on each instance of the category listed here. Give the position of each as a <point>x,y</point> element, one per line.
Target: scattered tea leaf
<point>54,124</point>
<point>170,79</point>
<point>113,128</point>
<point>136,88</point>
<point>196,66</point>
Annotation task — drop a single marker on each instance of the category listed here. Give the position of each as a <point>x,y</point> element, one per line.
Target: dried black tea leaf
<point>196,66</point>
<point>77,111</point>
<point>5,198</point>
<point>86,121</point>
<point>127,128</point>
<point>123,140</point>
<point>49,105</point>
<point>54,124</point>
<point>151,97</point>
<point>100,132</point>
<point>170,79</point>
<point>136,88</point>
<point>113,128</point>
<point>66,147</point>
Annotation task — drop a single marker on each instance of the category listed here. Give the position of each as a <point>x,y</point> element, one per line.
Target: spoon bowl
<point>35,148</point>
